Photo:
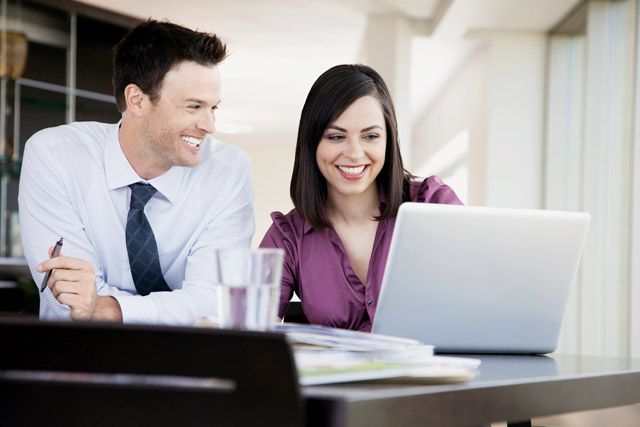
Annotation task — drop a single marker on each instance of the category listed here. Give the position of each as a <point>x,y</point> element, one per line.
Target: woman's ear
<point>135,98</point>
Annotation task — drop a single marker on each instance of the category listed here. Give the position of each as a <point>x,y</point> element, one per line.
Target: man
<point>142,204</point>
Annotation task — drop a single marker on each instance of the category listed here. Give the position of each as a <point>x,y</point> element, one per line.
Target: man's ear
<point>136,100</point>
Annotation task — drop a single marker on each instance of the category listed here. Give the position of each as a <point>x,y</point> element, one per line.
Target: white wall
<point>461,106</point>
<point>271,167</point>
<point>498,97</point>
<point>513,174</point>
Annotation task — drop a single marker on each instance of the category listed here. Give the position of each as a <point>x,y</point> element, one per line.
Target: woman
<point>347,184</point>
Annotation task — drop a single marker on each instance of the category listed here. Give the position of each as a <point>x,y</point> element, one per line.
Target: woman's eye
<point>335,137</point>
<point>194,107</point>
<point>371,137</point>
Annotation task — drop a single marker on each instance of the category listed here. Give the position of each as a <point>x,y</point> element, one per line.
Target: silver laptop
<point>480,280</point>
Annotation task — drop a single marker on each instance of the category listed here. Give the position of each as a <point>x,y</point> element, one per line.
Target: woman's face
<point>352,149</point>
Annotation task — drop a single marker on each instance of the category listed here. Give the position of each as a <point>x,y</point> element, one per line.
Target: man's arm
<point>231,225</point>
<point>46,214</point>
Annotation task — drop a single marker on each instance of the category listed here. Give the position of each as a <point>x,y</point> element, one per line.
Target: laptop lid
<point>476,279</point>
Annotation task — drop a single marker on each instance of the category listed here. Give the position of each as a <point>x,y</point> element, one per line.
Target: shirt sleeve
<point>280,235</point>
<point>47,213</point>
<point>233,226</point>
<point>434,190</point>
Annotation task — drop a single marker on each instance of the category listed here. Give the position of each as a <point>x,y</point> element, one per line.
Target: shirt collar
<point>168,184</point>
<point>120,173</point>
<point>307,228</point>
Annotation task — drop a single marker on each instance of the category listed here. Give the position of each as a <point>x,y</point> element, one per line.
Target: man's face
<point>182,116</point>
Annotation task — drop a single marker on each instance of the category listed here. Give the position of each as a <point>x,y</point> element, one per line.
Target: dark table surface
<point>507,388</point>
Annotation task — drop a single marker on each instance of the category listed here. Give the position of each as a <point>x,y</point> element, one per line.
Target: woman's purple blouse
<point>317,268</point>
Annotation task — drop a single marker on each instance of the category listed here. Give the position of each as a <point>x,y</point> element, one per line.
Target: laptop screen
<point>475,279</point>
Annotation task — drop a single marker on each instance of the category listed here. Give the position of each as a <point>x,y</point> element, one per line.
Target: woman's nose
<point>354,150</point>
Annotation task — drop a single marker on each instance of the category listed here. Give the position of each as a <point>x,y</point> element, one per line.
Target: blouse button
<point>369,302</point>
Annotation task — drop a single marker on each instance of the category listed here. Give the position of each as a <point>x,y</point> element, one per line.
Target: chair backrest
<point>295,314</point>
<point>79,374</point>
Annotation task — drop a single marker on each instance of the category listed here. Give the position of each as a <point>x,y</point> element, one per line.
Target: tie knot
<point>140,194</point>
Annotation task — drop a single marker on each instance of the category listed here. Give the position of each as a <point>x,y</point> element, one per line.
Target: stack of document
<point>326,355</point>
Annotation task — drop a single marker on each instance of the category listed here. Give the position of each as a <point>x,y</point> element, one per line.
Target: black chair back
<point>79,374</point>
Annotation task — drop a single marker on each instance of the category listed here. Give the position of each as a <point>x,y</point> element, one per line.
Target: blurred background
<point>516,103</point>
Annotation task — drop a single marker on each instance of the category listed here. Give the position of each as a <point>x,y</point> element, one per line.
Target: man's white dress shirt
<point>74,184</point>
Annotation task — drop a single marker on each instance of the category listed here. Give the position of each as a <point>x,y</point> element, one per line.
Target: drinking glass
<point>248,287</point>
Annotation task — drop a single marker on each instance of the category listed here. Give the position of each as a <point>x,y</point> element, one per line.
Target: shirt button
<point>369,302</point>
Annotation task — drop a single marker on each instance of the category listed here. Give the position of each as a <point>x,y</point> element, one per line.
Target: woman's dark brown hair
<point>334,91</point>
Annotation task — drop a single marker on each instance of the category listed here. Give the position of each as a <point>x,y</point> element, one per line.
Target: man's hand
<point>72,283</point>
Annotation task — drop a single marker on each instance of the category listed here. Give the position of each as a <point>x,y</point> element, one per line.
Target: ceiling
<point>279,47</point>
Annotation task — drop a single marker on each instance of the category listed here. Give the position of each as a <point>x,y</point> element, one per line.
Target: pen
<point>55,253</point>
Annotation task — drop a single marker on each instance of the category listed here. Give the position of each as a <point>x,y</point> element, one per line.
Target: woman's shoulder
<point>285,226</point>
<point>432,190</point>
<point>291,218</point>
